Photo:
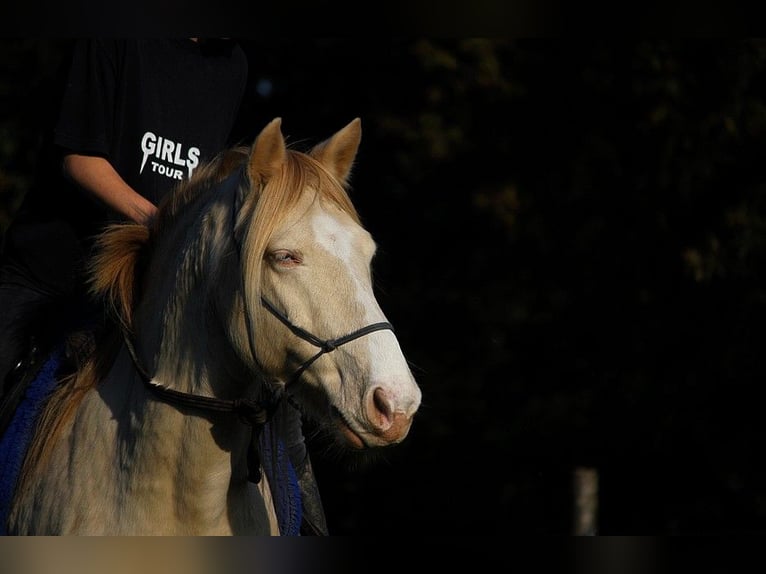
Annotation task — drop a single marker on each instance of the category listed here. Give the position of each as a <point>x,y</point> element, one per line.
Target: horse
<point>251,291</point>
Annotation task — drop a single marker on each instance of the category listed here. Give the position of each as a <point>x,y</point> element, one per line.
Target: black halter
<point>325,345</point>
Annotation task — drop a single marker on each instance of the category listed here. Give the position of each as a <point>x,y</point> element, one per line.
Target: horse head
<point>309,293</point>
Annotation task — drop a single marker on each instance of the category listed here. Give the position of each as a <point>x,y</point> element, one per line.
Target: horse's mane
<point>115,272</point>
<point>116,269</point>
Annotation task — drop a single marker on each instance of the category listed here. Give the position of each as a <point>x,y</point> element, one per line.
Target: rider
<point>136,117</point>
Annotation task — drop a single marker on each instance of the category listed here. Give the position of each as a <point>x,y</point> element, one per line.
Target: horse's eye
<point>285,258</point>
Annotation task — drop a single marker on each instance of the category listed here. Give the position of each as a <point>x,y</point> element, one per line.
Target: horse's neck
<point>127,463</point>
<point>183,345</point>
<point>180,355</point>
<point>174,463</point>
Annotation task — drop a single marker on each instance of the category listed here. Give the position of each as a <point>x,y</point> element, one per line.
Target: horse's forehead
<point>336,233</point>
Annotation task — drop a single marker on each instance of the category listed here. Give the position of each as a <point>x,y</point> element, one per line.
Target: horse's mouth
<point>352,438</point>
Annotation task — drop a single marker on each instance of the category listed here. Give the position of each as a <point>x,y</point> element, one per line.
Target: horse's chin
<point>356,440</point>
<point>314,404</point>
<point>352,439</point>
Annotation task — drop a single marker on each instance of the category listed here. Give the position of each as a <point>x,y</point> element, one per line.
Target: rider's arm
<point>96,176</point>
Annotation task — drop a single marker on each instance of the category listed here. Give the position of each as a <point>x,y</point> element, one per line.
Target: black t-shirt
<point>156,109</point>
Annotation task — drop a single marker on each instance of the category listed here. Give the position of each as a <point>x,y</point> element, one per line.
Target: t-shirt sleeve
<point>87,107</point>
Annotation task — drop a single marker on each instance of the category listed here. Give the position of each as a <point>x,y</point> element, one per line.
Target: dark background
<point>571,248</point>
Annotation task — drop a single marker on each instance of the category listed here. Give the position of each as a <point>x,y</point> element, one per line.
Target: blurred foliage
<point>29,74</point>
<point>571,237</point>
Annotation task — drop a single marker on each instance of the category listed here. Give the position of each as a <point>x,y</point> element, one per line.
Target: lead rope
<point>253,412</point>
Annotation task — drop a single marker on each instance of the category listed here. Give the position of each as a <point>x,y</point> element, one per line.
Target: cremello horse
<point>252,287</point>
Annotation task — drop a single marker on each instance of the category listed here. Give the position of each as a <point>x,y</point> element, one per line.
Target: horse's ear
<point>268,152</point>
<point>338,152</point>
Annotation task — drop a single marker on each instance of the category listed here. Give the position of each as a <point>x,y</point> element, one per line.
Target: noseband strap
<point>325,345</point>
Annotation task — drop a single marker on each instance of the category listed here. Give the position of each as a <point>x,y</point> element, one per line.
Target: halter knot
<point>257,413</point>
<point>250,412</point>
<point>329,346</point>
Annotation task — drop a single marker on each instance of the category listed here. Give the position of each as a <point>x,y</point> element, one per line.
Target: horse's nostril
<point>388,422</point>
<point>382,412</point>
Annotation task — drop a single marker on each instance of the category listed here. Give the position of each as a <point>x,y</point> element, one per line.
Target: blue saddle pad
<point>15,440</point>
